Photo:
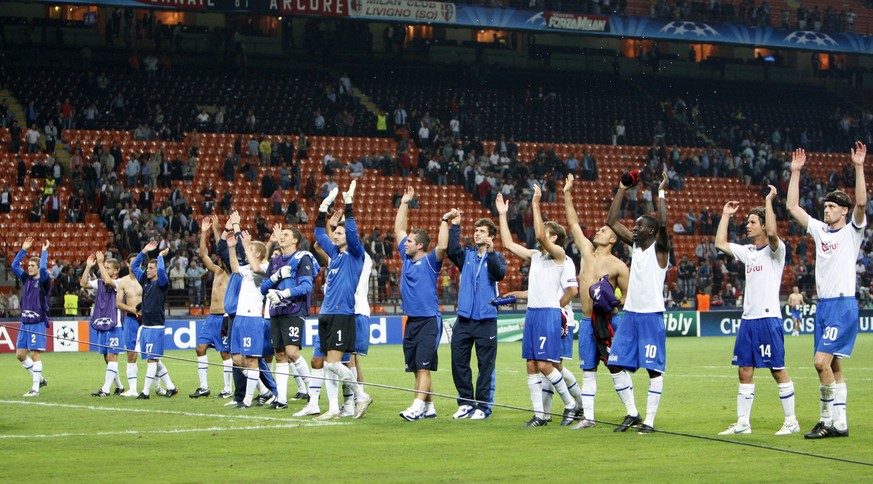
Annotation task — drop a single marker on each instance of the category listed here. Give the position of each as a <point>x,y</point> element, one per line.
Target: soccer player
<point>420,304</point>
<point>596,264</point>
<point>247,340</point>
<point>36,287</point>
<point>640,340</point>
<point>336,321</point>
<point>541,343</point>
<point>476,326</point>
<point>210,333</point>
<point>836,316</point>
<point>128,297</point>
<point>150,341</point>
<point>106,318</point>
<point>760,342</point>
<point>288,287</point>
<point>795,303</point>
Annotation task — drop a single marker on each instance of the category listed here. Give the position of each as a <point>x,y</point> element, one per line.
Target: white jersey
<point>568,280</point>
<point>763,279</point>
<point>362,292</point>
<point>251,301</point>
<point>544,281</point>
<point>645,285</point>
<point>835,256</point>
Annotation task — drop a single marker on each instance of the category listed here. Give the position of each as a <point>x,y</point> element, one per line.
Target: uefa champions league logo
<point>65,336</point>
<point>804,37</point>
<point>684,27</point>
<point>27,313</point>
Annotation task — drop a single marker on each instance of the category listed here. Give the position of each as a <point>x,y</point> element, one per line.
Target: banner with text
<point>576,22</point>
<point>411,10</point>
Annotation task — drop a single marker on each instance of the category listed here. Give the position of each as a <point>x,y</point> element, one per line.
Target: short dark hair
<point>558,230</point>
<point>761,212</point>
<point>651,222</point>
<point>839,197</point>
<point>421,237</point>
<point>297,234</point>
<point>484,222</point>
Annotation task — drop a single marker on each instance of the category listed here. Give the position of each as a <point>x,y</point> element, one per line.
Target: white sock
<point>786,395</point>
<point>653,399</point>
<point>572,385</point>
<point>331,387</point>
<point>840,394</point>
<point>36,373</point>
<point>561,387</point>
<point>228,375</point>
<point>118,383</point>
<point>262,389</point>
<point>315,383</point>
<point>429,409</point>
<point>253,377</point>
<point>343,373</point>
<point>132,376</point>
<point>418,405</point>
<point>27,364</point>
<point>301,368</point>
<point>348,395</point>
<point>536,395</point>
<point>624,387</point>
<point>361,393</point>
<point>745,399</point>
<point>827,402</point>
<point>164,375</point>
<point>202,369</point>
<point>548,394</point>
<point>589,390</point>
<point>282,375</point>
<point>111,375</point>
<point>151,371</point>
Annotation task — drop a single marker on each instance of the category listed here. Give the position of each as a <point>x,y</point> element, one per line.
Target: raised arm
<point>721,235</point>
<point>16,262</point>
<point>253,261</point>
<point>770,226</point>
<point>454,250</point>
<point>622,232</point>
<point>798,159</point>
<point>162,269</point>
<point>231,245</point>
<point>443,235</point>
<point>205,228</point>
<point>136,266</point>
<point>353,240</point>
<point>104,274</point>
<point>585,246</point>
<point>402,217</point>
<point>321,237</point>
<point>43,262</point>
<point>505,234</point>
<point>859,155</point>
<point>662,242</point>
<point>556,251</point>
<point>84,282</point>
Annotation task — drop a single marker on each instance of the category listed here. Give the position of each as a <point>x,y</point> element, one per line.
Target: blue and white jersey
<point>835,255</point>
<point>418,284</point>
<point>763,279</point>
<point>343,271</point>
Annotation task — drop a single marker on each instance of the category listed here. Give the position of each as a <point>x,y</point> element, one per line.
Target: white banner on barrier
<point>404,10</point>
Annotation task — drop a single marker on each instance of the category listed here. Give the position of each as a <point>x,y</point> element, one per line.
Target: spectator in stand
<point>32,139</point>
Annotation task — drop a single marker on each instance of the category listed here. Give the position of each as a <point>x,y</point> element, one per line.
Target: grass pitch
<point>67,435</point>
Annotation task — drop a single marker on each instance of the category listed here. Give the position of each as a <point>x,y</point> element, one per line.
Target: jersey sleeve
<point>814,229</point>
<point>779,254</point>
<point>568,274</point>
<point>740,252</point>
<point>92,284</point>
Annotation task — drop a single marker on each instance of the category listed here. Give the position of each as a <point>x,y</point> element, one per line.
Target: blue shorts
<point>587,346</point>
<point>31,336</point>
<point>567,341</point>
<point>541,338</point>
<point>210,333</point>
<point>131,328</point>
<point>362,334</point>
<point>247,337</point>
<point>836,325</point>
<point>760,343</point>
<point>111,342</point>
<point>150,342</point>
<point>268,341</point>
<point>421,339</point>
<point>795,314</point>
<point>317,353</point>
<point>640,342</point>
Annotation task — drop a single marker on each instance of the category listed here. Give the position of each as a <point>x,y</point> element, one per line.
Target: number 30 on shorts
<point>831,333</point>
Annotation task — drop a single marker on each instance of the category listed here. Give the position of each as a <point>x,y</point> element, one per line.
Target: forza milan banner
<point>576,22</point>
<point>411,10</point>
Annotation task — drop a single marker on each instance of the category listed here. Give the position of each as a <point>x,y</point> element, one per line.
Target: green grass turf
<point>72,436</point>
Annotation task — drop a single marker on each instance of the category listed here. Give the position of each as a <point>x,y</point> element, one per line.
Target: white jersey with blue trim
<point>835,255</point>
<point>544,289</point>
<point>763,278</point>
<point>251,301</point>
<point>568,280</point>
<point>645,285</point>
<point>362,292</point>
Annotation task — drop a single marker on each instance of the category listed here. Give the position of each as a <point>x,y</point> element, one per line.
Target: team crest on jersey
<point>829,246</point>
<point>27,313</point>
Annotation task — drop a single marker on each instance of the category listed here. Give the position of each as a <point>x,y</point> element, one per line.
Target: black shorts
<point>336,332</point>
<point>286,330</point>
<point>420,342</point>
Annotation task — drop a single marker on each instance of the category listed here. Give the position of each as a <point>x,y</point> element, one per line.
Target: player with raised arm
<point>760,341</point>
<point>336,321</point>
<point>837,244</point>
<point>481,268</point>
<point>128,297</point>
<point>541,343</point>
<point>420,304</point>
<point>36,287</point>
<point>795,305</point>
<point>288,287</point>
<point>640,340</point>
<point>600,274</point>
<point>150,341</point>
<point>211,332</point>
<point>106,318</point>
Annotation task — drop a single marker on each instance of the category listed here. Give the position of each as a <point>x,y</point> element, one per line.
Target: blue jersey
<point>418,284</point>
<point>479,277</point>
<point>234,282</point>
<point>303,270</point>
<point>344,270</point>
<point>154,292</point>
<point>35,290</point>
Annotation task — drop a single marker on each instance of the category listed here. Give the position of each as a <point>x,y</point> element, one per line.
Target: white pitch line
<point>166,412</point>
<point>147,432</point>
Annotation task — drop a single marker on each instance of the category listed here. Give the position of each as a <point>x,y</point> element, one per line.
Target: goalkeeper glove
<point>275,296</point>
<point>349,195</point>
<point>328,200</point>
<point>284,272</point>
